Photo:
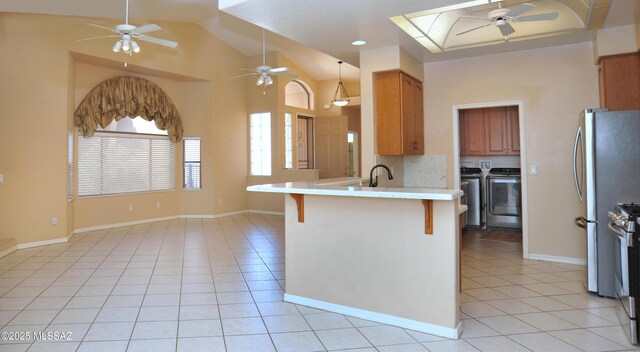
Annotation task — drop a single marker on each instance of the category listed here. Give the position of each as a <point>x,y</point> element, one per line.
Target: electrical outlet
<point>54,221</point>
<point>1,178</point>
<point>130,207</point>
<point>219,200</point>
<point>157,204</point>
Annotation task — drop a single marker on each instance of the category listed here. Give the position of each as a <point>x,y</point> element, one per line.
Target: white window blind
<point>192,171</point>
<point>110,163</point>
<point>69,164</point>
<point>288,141</point>
<point>260,135</point>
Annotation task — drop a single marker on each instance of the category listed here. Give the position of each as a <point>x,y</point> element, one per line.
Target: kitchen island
<point>389,255</point>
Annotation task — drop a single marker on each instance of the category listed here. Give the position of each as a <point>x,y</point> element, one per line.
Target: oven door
<point>623,271</point>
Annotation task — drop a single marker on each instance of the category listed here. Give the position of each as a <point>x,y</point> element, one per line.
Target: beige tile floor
<point>216,285</point>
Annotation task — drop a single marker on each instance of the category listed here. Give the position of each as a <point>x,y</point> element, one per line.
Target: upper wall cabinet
<point>399,118</point>
<point>489,131</point>
<point>620,82</point>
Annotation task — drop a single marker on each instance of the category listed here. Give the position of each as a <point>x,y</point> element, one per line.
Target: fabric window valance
<point>130,96</point>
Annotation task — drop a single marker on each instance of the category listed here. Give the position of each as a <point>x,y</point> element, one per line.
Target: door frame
<point>523,157</point>
<point>311,117</point>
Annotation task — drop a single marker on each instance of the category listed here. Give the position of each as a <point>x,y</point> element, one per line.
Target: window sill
<point>192,189</point>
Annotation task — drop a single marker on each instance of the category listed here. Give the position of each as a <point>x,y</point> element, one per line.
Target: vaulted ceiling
<point>311,33</point>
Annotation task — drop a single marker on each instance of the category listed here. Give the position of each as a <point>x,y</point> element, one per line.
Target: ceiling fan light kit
<point>265,72</point>
<point>340,97</point>
<point>127,33</point>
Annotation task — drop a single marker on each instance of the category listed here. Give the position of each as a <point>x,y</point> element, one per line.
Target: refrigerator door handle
<point>575,163</point>
<point>580,222</point>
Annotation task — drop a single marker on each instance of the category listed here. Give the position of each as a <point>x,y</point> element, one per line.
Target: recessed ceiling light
<point>358,42</point>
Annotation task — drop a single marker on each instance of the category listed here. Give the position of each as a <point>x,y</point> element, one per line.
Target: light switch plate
<point>533,169</point>
<point>1,178</point>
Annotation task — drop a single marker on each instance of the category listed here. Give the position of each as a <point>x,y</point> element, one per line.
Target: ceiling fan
<point>265,72</point>
<point>502,18</point>
<point>128,32</point>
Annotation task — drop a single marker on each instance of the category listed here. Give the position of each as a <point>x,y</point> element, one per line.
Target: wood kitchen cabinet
<point>472,132</point>
<point>619,77</point>
<point>490,131</point>
<point>399,114</point>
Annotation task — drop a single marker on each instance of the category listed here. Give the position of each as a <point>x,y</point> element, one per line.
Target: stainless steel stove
<point>624,224</point>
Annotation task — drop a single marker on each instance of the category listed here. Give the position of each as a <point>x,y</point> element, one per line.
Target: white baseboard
<point>450,333</point>
<point>8,251</point>
<point>556,259</point>
<point>42,243</point>
<point>266,212</point>
<point>230,214</point>
<point>209,216</point>
<point>129,223</point>
<point>144,221</point>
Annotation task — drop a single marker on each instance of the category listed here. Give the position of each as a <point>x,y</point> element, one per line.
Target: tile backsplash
<point>429,171</point>
<point>426,171</point>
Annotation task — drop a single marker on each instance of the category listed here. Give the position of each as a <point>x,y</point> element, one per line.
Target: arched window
<point>298,94</point>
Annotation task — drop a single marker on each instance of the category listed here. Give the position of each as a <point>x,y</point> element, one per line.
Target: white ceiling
<point>311,33</point>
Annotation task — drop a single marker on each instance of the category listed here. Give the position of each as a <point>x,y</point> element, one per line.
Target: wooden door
<point>496,131</point>
<point>408,113</point>
<point>332,151</point>
<point>463,132</point>
<point>412,116</point>
<point>621,75</point>
<point>418,126</point>
<point>513,129</point>
<point>387,113</point>
<point>476,135</point>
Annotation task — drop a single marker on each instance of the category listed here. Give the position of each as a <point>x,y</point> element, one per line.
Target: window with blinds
<point>191,171</point>
<point>111,163</point>
<point>69,165</point>
<point>260,135</point>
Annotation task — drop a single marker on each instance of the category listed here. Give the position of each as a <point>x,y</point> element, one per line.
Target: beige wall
<point>555,85</point>
<point>33,128</point>
<point>46,76</point>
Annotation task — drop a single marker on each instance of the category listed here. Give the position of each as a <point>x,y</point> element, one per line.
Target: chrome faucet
<point>375,184</point>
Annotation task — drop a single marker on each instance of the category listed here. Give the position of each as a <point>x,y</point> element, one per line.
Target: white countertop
<point>350,187</point>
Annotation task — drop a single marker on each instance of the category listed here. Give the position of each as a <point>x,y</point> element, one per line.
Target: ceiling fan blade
<point>520,10</point>
<point>473,29</point>
<point>506,29</point>
<point>288,75</point>
<point>154,40</point>
<point>101,27</point>
<point>146,29</point>
<point>476,18</point>
<point>100,37</point>
<point>245,75</point>
<point>540,17</point>
<point>278,69</point>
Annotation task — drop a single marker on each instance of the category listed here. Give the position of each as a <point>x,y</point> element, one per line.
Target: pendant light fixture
<point>340,97</point>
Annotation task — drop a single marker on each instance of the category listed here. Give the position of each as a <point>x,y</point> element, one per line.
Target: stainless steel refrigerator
<point>607,172</point>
